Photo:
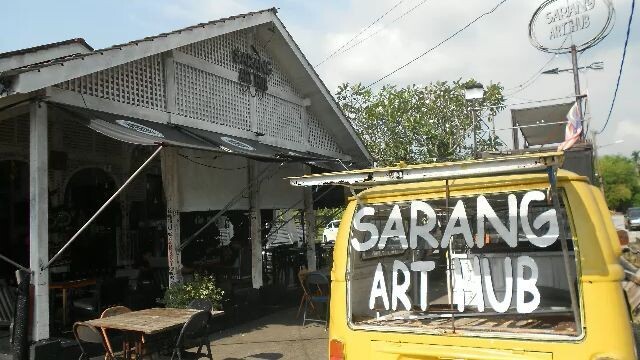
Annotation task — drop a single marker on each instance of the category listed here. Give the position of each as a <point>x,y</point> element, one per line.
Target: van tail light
<point>336,350</point>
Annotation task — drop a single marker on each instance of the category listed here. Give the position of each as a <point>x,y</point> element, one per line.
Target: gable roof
<point>29,78</point>
<point>38,76</point>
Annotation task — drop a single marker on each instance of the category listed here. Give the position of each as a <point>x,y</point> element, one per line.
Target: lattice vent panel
<point>138,83</point>
<point>205,96</point>
<point>218,50</point>
<point>279,118</point>
<point>319,136</point>
<point>14,132</point>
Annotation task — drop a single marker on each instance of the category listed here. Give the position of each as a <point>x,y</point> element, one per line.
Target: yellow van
<point>506,258</point>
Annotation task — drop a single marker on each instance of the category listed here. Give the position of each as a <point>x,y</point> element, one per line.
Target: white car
<point>330,231</point>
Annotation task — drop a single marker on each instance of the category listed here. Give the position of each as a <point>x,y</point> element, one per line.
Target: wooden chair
<point>196,328</point>
<point>116,336</point>
<point>90,341</point>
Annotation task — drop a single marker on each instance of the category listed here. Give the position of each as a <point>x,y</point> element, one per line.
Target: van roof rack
<point>402,173</point>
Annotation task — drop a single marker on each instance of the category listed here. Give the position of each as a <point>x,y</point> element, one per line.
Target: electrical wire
<point>536,75</point>
<point>382,28</point>
<point>624,53</point>
<point>531,80</point>
<point>526,102</point>
<point>358,34</point>
<point>437,45</point>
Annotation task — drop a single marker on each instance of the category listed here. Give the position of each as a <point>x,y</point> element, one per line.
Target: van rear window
<point>490,263</point>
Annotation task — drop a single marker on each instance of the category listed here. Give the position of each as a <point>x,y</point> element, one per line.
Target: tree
<point>620,181</point>
<point>419,124</point>
<point>635,155</point>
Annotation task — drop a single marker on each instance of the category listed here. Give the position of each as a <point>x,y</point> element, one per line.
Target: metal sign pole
<point>576,83</point>
<point>104,206</point>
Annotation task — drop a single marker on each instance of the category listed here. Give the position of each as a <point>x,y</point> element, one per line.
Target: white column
<point>39,218</point>
<point>170,180</point>
<point>309,224</point>
<point>256,220</point>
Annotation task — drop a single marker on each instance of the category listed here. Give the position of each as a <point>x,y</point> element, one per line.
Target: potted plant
<point>201,287</point>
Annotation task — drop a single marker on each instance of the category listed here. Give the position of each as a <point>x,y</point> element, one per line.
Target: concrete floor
<point>279,335</point>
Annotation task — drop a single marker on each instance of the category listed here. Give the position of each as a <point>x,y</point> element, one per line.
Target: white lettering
<point>378,289</point>
<point>548,216</point>
<point>423,267</point>
<point>458,215</point>
<point>498,306</point>
<point>399,290</point>
<point>394,228</point>
<point>422,231</point>
<point>526,285</point>
<point>485,210</point>
<point>371,228</point>
<point>472,284</point>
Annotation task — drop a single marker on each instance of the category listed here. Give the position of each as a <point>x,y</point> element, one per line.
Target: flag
<point>573,130</point>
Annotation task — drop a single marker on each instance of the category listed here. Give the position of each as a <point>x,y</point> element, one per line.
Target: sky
<point>496,49</point>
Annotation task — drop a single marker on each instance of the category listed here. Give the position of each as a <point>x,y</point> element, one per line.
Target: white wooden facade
<point>185,78</point>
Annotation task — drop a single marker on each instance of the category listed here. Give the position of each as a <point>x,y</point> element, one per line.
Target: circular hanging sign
<point>140,128</point>
<point>558,24</point>
<point>237,143</point>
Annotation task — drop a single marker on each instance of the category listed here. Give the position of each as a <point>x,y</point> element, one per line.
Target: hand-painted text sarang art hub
<point>421,229</point>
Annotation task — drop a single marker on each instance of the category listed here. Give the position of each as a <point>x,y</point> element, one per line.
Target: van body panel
<point>606,328</point>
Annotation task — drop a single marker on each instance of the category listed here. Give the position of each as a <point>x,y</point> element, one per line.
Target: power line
<point>624,53</point>
<point>531,80</point>
<point>536,75</point>
<point>382,28</point>
<point>358,34</point>
<point>526,102</point>
<point>438,45</point>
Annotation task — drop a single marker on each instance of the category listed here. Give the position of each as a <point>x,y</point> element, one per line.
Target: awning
<point>542,125</point>
<point>143,132</point>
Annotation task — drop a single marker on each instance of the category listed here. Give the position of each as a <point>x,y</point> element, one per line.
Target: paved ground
<point>279,335</point>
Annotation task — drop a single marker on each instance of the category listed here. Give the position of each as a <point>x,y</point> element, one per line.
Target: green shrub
<point>201,287</point>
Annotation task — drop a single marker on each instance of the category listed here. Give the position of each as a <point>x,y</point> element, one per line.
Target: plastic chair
<point>116,336</point>
<point>318,286</point>
<point>88,338</point>
<point>196,328</point>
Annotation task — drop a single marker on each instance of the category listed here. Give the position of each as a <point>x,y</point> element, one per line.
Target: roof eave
<point>27,80</point>
<point>323,88</point>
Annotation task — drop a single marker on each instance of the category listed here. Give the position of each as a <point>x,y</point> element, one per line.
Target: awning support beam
<point>103,207</point>
<point>2,257</point>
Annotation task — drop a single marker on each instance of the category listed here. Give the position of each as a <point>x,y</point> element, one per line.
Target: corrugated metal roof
<point>64,59</point>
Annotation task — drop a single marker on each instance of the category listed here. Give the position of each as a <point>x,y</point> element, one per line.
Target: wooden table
<point>66,285</point>
<point>146,322</point>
